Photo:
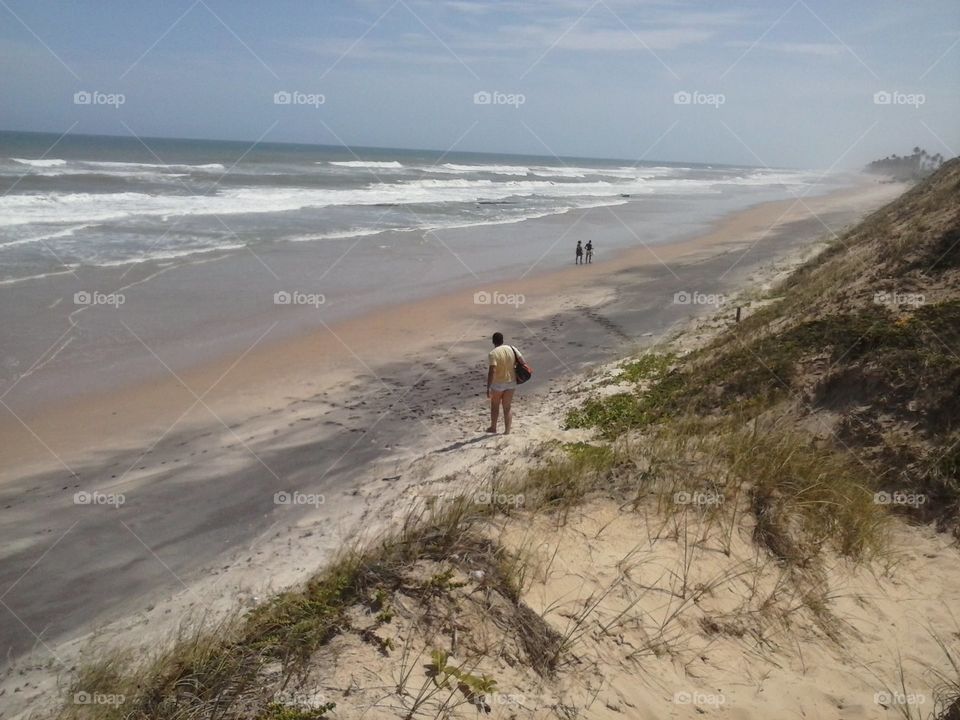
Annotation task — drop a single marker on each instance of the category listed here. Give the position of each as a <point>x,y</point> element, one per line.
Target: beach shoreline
<point>262,371</point>
<point>201,532</point>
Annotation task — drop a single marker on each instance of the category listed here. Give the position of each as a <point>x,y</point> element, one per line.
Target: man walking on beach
<point>579,253</point>
<point>589,251</point>
<point>501,381</point>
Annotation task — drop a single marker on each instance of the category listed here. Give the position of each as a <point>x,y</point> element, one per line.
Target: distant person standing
<point>589,251</point>
<point>501,381</point>
<point>579,253</point>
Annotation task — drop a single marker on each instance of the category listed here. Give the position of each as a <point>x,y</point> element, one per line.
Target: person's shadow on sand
<point>464,443</point>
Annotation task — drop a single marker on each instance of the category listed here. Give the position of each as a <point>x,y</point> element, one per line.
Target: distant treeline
<point>908,167</point>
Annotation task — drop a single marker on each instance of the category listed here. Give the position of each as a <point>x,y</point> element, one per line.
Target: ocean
<point>109,201</point>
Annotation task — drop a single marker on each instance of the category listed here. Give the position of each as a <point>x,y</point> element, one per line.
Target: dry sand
<point>645,648</point>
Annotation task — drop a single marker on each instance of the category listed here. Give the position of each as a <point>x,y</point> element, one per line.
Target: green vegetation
<point>915,166</point>
<point>649,366</point>
<point>613,415</point>
<point>804,497</point>
<point>474,688</point>
<point>279,711</point>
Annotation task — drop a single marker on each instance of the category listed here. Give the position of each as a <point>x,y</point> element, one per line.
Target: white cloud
<point>793,48</point>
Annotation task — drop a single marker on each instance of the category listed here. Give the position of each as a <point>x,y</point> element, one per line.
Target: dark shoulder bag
<point>520,368</point>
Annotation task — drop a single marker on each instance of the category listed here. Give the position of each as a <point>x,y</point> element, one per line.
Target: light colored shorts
<point>502,387</point>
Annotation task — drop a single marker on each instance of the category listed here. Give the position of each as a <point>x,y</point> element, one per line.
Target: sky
<point>781,83</point>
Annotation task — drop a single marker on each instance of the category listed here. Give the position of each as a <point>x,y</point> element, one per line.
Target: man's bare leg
<point>507,417</point>
<point>495,398</point>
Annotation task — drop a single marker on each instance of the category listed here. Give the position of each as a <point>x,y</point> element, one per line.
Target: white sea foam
<point>100,207</point>
<point>42,238</point>
<point>41,276</point>
<point>160,255</point>
<point>387,165</point>
<point>551,171</point>
<point>41,162</point>
<point>454,224</point>
<point>341,234</point>
<point>772,178</point>
<point>212,167</point>
<point>519,170</point>
<point>54,167</point>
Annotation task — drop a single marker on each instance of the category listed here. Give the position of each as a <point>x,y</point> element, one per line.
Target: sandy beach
<point>354,416</point>
<point>261,270</point>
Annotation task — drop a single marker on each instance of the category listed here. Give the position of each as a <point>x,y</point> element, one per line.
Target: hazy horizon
<point>801,84</point>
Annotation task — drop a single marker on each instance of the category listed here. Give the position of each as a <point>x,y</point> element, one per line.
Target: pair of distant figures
<point>581,248</point>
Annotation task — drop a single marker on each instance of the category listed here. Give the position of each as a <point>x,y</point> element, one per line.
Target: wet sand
<point>199,455</point>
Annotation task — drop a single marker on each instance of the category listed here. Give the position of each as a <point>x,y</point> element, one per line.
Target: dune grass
<point>707,437</point>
